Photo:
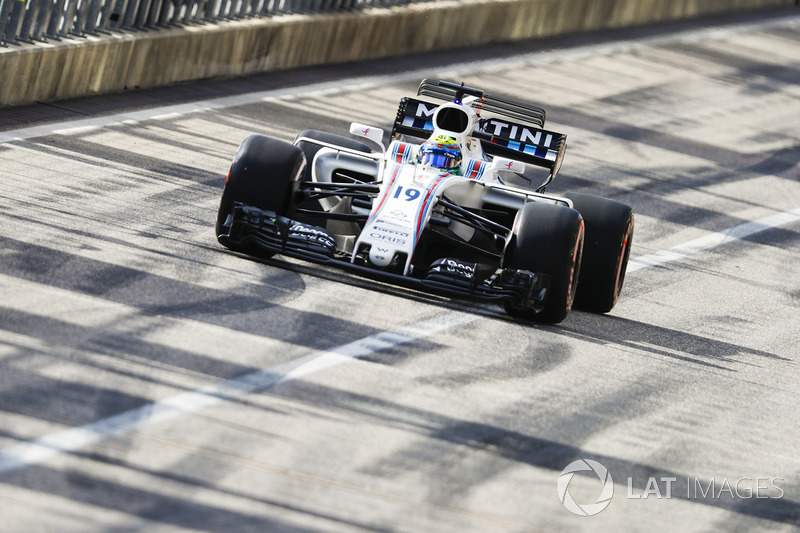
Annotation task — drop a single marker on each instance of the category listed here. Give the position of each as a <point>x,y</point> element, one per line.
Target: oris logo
<point>388,238</point>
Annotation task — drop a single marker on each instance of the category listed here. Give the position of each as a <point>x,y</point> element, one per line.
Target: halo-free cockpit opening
<point>451,119</point>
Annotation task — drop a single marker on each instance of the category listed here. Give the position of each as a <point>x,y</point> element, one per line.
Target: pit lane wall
<point>77,67</point>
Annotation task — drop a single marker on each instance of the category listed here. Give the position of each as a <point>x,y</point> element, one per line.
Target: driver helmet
<point>442,152</point>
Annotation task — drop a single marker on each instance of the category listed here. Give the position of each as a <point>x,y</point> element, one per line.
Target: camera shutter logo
<point>587,509</point>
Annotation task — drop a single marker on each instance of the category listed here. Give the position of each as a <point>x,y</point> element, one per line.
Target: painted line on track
<point>713,240</point>
<point>489,65</point>
<point>76,439</point>
<point>73,440</point>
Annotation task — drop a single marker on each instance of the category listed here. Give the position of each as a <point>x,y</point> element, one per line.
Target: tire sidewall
<point>547,239</point>
<point>609,237</point>
<point>263,174</point>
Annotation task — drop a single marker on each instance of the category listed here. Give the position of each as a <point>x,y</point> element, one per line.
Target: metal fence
<point>28,21</point>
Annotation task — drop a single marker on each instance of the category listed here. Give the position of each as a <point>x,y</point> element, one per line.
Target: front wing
<point>256,230</point>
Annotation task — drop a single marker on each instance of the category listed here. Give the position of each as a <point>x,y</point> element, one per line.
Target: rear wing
<point>501,105</point>
<point>498,137</point>
<point>516,133</point>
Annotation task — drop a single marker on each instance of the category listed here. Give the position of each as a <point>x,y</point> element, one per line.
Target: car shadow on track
<point>336,275</point>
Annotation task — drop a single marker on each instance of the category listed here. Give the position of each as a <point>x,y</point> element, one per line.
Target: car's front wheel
<point>263,174</point>
<point>547,239</point>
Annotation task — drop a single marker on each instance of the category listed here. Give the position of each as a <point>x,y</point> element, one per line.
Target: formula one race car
<point>438,214</point>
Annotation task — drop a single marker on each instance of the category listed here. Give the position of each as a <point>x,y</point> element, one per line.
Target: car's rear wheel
<point>262,175</point>
<point>547,239</point>
<point>609,236</point>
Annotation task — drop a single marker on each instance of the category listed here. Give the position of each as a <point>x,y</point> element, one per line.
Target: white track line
<point>712,240</point>
<point>75,439</point>
<point>545,57</point>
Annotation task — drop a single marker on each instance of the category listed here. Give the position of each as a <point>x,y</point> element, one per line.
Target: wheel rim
<point>577,254</point>
<point>623,260</point>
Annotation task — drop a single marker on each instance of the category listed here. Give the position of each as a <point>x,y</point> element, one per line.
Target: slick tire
<point>263,174</point>
<point>606,249</point>
<point>547,239</point>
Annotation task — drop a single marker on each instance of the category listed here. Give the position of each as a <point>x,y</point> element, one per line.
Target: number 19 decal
<point>411,194</point>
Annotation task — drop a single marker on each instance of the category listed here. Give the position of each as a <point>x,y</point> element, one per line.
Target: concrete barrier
<point>57,70</point>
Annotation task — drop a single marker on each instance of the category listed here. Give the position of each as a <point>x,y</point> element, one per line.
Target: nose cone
<point>380,257</point>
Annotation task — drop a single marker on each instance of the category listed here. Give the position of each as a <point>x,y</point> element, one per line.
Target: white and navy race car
<point>438,214</point>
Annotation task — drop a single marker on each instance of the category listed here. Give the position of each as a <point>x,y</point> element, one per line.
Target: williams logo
<point>606,493</point>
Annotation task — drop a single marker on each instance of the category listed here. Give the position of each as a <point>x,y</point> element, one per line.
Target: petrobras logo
<point>396,217</point>
<point>605,495</point>
<point>454,266</point>
<point>311,234</point>
<point>297,227</point>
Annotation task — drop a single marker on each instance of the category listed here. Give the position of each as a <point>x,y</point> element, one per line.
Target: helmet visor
<point>439,158</point>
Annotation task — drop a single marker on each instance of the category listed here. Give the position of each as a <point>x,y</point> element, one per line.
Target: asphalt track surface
<point>151,380</point>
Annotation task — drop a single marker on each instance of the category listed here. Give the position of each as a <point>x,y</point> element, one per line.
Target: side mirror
<point>368,132</point>
<point>508,165</point>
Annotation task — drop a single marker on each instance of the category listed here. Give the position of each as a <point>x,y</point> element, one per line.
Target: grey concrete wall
<point>66,69</point>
